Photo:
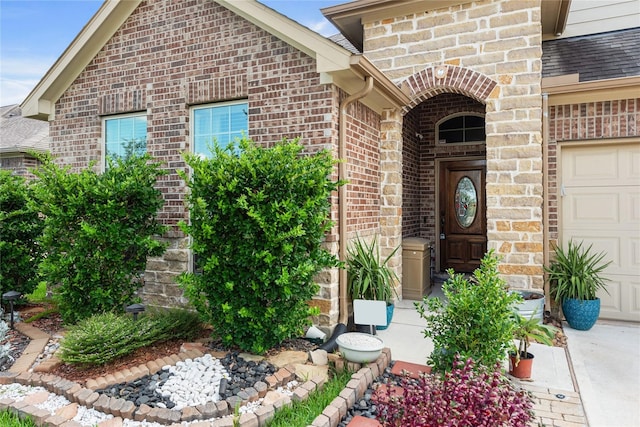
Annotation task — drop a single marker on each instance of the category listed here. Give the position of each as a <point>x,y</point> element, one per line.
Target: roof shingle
<point>595,57</point>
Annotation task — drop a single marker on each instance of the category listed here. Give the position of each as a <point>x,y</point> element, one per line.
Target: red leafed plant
<point>466,396</point>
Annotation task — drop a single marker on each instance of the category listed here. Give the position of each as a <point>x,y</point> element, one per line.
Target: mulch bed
<point>52,324</point>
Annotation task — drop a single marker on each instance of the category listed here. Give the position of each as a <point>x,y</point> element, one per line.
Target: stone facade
<point>489,51</point>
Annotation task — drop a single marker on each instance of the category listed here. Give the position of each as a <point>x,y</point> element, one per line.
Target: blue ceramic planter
<point>581,314</point>
<point>390,308</point>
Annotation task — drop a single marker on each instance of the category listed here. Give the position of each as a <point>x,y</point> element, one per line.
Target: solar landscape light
<point>11,296</point>
<point>134,309</point>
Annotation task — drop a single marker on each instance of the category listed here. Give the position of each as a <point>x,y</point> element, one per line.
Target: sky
<point>34,33</point>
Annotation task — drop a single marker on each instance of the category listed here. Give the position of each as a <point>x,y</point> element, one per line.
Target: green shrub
<point>39,294</point>
<point>20,229</point>
<point>177,323</point>
<point>99,231</point>
<point>105,337</point>
<point>475,321</point>
<point>258,219</point>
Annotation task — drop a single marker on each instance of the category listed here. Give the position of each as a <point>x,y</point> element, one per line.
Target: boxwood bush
<point>474,320</point>
<point>99,230</point>
<point>20,229</point>
<point>258,220</point>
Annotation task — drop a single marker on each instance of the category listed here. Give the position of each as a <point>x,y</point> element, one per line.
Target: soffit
<point>350,17</point>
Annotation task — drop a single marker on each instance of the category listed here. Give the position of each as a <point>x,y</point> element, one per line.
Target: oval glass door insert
<point>466,202</point>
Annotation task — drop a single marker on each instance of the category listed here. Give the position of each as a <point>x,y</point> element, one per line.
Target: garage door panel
<point>615,207</point>
<point>634,300</point>
<point>601,206</point>
<point>622,302</point>
<point>611,302</point>
<point>634,206</point>
<point>581,207</point>
<point>585,167</point>
<point>624,253</point>
<point>589,166</point>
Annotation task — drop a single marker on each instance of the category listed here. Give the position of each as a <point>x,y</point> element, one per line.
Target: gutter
<point>342,195</point>
<point>545,193</point>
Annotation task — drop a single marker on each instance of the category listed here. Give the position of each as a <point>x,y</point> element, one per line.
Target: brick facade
<point>19,164</point>
<point>197,53</point>
<point>579,122</point>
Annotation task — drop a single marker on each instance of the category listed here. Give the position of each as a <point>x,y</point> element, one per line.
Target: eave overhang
<point>350,17</point>
<point>564,90</point>
<point>334,63</point>
<point>39,104</point>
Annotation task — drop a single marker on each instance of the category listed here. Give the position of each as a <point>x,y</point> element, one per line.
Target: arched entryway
<point>444,165</point>
<point>444,179</point>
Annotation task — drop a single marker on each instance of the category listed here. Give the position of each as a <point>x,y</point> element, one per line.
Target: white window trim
<point>103,135</point>
<point>453,116</point>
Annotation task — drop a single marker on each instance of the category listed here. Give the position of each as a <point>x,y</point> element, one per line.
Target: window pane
<point>239,120</point>
<point>450,136</point>
<point>220,120</point>
<point>201,121</point>
<point>459,129</point>
<point>218,123</point>
<point>202,144</point>
<point>474,122</point>
<point>454,123</point>
<point>474,135</point>
<point>122,131</point>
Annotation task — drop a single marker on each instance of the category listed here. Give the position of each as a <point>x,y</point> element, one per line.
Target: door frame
<point>438,167</point>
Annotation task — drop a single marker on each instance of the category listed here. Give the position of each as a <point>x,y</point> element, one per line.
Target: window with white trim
<point>461,128</point>
<point>124,132</point>
<point>218,123</point>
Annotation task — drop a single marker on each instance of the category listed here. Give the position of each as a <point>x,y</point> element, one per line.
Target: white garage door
<point>600,190</point>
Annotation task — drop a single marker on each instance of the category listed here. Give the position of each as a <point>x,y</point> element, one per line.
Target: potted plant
<point>527,329</point>
<point>369,277</point>
<point>532,301</point>
<point>575,278</point>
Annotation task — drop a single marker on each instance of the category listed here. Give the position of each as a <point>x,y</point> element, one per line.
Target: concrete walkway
<point>606,365</point>
<point>594,382</point>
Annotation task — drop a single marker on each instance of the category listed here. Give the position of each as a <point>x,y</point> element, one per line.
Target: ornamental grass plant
<point>368,275</point>
<point>105,337</point>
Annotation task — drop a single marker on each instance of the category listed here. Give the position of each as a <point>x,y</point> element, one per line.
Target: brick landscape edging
<point>88,397</point>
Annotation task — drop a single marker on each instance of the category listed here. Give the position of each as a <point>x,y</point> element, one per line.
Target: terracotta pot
<point>523,368</point>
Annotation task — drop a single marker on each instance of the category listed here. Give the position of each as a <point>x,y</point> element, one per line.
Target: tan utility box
<point>416,266</point>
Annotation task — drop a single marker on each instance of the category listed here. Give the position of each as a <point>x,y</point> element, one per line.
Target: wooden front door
<point>463,224</point>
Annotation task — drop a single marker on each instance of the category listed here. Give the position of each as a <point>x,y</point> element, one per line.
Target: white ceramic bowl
<point>358,347</point>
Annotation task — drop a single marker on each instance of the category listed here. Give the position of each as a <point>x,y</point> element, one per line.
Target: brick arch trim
<point>464,81</point>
